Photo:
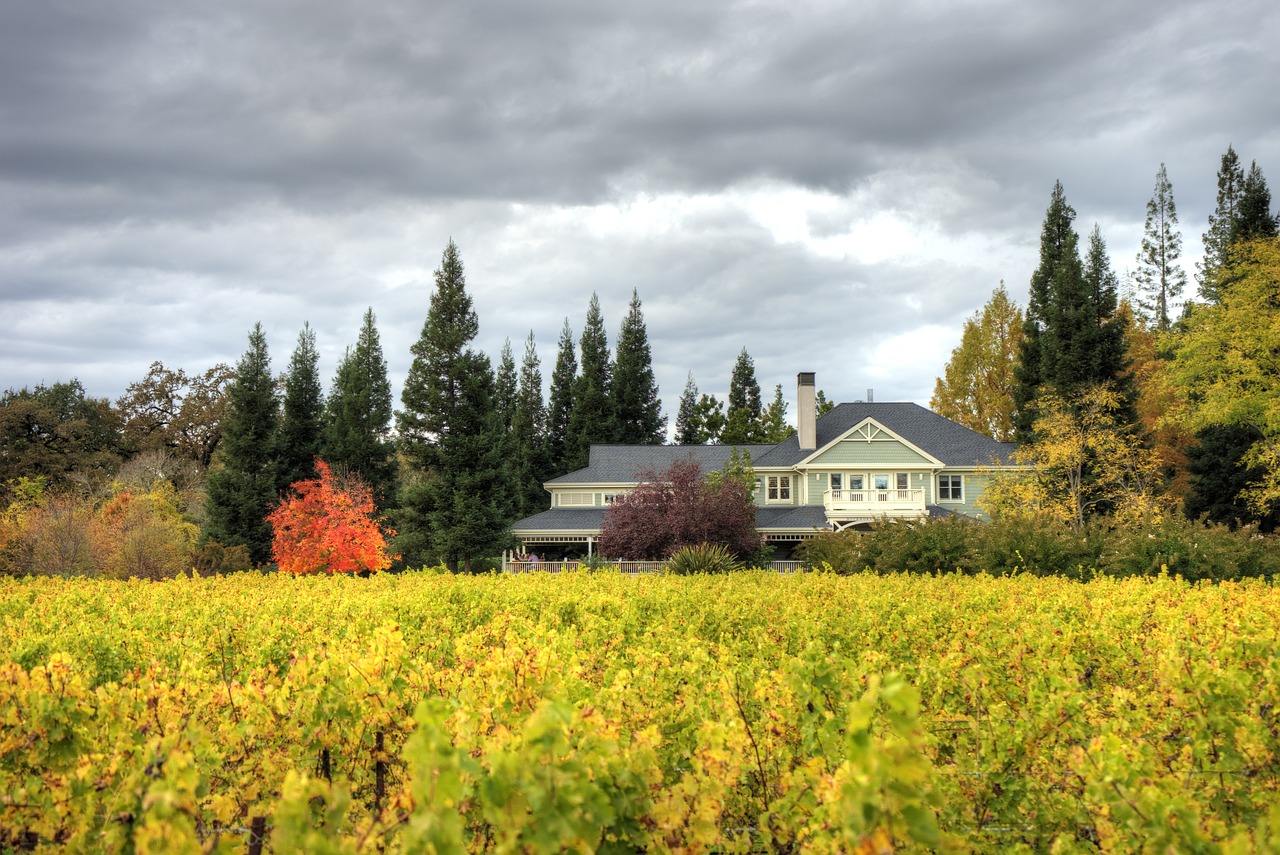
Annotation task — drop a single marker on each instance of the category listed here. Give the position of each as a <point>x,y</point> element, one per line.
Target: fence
<point>633,568</point>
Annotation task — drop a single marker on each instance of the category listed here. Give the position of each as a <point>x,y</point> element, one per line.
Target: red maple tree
<point>327,526</point>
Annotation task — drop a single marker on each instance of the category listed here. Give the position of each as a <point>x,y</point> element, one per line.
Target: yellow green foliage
<point>1228,362</point>
<point>1081,462</point>
<point>601,712</point>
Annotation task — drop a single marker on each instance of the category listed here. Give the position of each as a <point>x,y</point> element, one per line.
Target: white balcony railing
<point>875,502</point>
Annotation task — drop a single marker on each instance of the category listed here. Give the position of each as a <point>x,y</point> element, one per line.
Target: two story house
<point>856,464</point>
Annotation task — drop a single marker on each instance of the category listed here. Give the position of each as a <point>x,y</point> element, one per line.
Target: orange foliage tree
<point>328,526</point>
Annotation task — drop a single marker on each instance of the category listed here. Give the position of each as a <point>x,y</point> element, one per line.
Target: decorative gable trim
<point>869,430</point>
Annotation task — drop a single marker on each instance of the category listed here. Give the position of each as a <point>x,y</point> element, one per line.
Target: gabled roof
<point>952,443</point>
<point>621,464</point>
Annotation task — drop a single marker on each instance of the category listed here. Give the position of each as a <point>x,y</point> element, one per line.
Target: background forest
<point>1132,403</point>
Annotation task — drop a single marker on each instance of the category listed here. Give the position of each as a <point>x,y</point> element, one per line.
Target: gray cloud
<point>172,172</point>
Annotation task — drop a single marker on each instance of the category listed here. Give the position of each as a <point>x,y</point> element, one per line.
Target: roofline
<point>908,443</point>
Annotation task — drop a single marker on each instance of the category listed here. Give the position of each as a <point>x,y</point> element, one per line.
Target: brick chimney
<point>806,411</point>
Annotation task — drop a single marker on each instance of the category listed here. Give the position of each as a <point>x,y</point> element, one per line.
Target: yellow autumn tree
<point>1228,363</point>
<point>1084,462</point>
<point>976,388</point>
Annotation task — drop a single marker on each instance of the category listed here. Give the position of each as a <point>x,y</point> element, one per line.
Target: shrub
<point>703,558</point>
<point>1192,550</point>
<point>1041,547</point>
<point>843,551</point>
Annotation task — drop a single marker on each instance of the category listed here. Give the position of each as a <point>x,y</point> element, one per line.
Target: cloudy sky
<point>834,186</point>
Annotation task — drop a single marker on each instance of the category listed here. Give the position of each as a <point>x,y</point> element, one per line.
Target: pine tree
<point>1059,272</point>
<point>1159,277</point>
<point>1107,359</point>
<point>560,404</point>
<point>742,419</point>
<point>592,419</point>
<point>449,511</point>
<point>242,489</point>
<point>687,415</point>
<point>1254,218</point>
<point>358,432</point>
<point>302,414</point>
<point>506,385</point>
<point>636,405</point>
<point>529,436</point>
<point>1223,226</point>
<point>711,420</point>
<point>773,420</point>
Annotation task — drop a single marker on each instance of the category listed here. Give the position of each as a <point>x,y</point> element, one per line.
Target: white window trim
<point>562,499</point>
<point>769,491</point>
<point>949,501</point>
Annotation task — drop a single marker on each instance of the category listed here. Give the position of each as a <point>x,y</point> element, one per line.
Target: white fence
<point>632,568</point>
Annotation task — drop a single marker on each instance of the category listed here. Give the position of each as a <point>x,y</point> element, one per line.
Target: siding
<point>877,454</point>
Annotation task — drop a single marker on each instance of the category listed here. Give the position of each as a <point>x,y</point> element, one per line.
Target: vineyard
<point>602,712</point>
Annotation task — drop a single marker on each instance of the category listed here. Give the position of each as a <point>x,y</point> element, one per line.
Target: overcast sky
<point>834,186</point>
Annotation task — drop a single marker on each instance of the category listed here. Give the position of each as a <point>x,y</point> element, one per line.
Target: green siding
<point>974,484</point>
<point>878,454</point>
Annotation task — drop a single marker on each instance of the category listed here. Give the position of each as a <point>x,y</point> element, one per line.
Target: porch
<point>873,504</point>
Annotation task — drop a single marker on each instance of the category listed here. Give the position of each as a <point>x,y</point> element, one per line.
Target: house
<point>856,464</point>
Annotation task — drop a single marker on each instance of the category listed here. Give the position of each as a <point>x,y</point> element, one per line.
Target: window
<point>855,482</point>
<point>577,500</point>
<point>950,488</point>
<point>881,482</point>
<point>779,488</point>
<point>904,482</point>
<point>837,484</point>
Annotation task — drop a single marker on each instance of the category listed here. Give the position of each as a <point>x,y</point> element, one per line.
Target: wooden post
<point>257,834</point>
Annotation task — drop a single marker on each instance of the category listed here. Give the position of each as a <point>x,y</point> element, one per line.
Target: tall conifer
<point>302,413</point>
<point>1223,225</point>
<point>529,436</point>
<point>742,418</point>
<point>687,415</point>
<point>560,404</point>
<point>593,419</point>
<point>449,511</point>
<point>242,490</point>
<point>1160,278</point>
<point>358,433</point>
<point>636,405</point>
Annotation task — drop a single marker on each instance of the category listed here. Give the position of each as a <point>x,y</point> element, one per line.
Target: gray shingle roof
<point>803,518</point>
<point>620,464</point>
<point>563,519</point>
<point>952,443</point>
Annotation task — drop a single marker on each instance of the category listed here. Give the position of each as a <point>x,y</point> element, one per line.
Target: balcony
<point>873,503</point>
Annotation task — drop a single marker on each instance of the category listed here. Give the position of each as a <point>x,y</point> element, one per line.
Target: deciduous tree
<point>977,385</point>
<point>1228,362</point>
<point>327,527</point>
<point>679,508</point>
<point>1085,460</point>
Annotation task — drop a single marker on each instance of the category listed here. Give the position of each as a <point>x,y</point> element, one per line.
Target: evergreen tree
<point>710,420</point>
<point>242,485</point>
<point>302,413</point>
<point>449,511</point>
<point>773,420</point>
<point>358,432</point>
<point>742,419</point>
<point>1070,338</point>
<point>636,405</point>
<point>529,436</point>
<point>506,385</point>
<point>592,419</point>
<point>1221,477</point>
<point>687,416</point>
<point>1223,225</point>
<point>1254,218</point>
<point>560,404</point>
<point>1159,277</point>
<point>823,405</point>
